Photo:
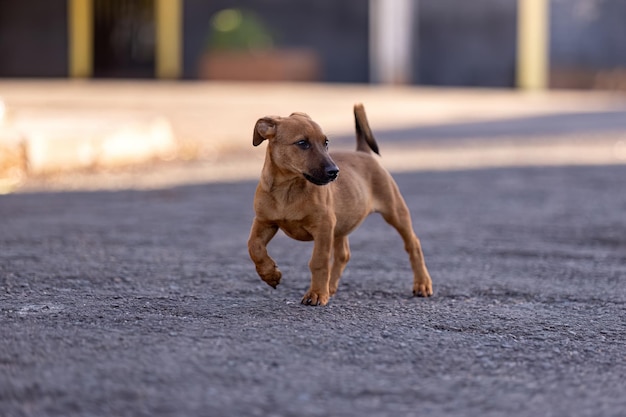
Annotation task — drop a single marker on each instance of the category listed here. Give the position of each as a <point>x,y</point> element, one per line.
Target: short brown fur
<point>300,193</point>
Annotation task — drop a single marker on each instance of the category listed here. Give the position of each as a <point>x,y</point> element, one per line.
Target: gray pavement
<point>144,303</point>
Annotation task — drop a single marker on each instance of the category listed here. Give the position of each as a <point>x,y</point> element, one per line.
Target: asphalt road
<point>144,303</point>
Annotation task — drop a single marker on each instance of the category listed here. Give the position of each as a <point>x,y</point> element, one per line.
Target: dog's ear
<point>300,114</point>
<point>265,128</point>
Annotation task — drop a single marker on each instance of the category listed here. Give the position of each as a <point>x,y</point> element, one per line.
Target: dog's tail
<point>365,141</point>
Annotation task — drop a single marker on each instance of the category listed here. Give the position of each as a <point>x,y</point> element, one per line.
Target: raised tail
<point>365,141</point>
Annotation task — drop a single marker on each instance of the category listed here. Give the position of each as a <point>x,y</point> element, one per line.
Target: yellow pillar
<point>532,44</point>
<point>80,37</point>
<point>168,38</point>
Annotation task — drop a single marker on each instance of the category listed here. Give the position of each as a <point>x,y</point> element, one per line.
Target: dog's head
<point>297,146</point>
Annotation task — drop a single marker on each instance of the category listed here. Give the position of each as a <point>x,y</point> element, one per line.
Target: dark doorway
<point>124,38</point>
<point>33,38</point>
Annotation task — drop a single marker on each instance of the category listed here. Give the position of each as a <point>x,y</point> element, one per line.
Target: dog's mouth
<point>320,181</point>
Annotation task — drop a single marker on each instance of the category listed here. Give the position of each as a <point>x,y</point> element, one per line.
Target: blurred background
<point>322,48</point>
<point>445,42</point>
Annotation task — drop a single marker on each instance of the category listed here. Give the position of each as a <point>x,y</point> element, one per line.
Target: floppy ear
<point>265,128</point>
<point>297,113</point>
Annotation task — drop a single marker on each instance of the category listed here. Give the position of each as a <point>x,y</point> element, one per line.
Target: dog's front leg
<point>319,293</point>
<point>260,235</point>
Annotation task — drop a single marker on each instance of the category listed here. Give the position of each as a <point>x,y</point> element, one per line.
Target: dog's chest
<point>290,220</point>
<point>294,230</point>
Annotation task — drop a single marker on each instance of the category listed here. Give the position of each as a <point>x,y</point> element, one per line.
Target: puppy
<point>311,194</point>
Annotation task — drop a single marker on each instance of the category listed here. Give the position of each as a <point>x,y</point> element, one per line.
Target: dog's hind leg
<point>341,256</point>
<point>397,214</point>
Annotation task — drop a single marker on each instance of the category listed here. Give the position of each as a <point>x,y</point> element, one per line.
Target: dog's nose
<point>332,172</point>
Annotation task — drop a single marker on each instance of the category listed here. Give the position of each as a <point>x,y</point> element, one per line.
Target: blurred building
<point>450,42</point>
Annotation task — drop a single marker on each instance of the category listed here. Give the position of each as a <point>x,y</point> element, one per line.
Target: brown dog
<point>309,197</point>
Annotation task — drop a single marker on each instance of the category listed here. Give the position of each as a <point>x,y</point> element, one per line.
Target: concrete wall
<point>473,43</point>
<point>588,44</point>
<point>588,33</point>
<point>466,43</point>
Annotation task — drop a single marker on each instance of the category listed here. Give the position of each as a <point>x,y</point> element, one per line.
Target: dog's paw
<point>423,289</point>
<point>273,278</point>
<point>312,298</point>
<point>333,289</point>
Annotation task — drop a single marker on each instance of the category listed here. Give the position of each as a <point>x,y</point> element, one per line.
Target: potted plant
<point>240,47</point>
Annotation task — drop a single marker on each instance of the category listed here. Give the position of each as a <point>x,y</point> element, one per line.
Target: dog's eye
<point>303,144</point>
<point>326,143</point>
